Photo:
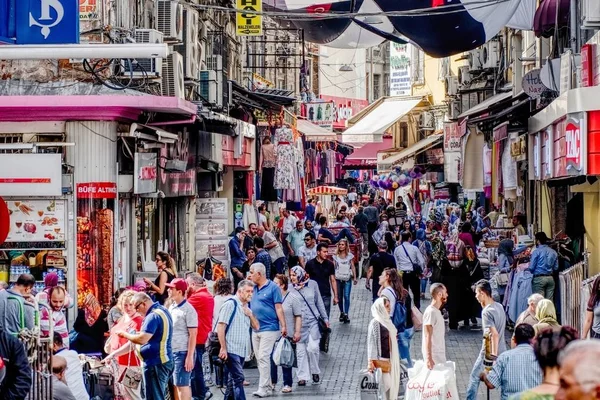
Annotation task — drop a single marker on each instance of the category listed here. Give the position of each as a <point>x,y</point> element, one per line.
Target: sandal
<point>301,383</point>
<point>286,389</point>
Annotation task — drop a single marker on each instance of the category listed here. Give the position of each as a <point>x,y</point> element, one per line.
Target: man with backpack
<point>411,263</point>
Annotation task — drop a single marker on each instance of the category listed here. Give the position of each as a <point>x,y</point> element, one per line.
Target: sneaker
<point>342,317</point>
<point>261,394</point>
<point>316,379</point>
<point>286,389</point>
<point>346,319</point>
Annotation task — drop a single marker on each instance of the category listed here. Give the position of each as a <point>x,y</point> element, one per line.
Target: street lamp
<point>346,68</point>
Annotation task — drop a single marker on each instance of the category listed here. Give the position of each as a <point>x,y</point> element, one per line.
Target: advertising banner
<point>344,108</point>
<point>248,24</point>
<point>30,175</point>
<point>47,21</point>
<point>320,114</point>
<point>88,10</point>
<point>36,221</point>
<point>400,76</point>
<point>146,169</point>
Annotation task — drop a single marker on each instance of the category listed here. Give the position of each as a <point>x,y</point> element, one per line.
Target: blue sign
<point>47,21</point>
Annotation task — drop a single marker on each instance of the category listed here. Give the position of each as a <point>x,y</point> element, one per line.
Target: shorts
<point>181,377</point>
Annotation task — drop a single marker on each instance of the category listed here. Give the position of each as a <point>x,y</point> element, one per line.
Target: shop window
<point>147,229</point>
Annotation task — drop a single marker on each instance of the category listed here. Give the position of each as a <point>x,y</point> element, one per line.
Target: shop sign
<point>400,69</point>
<point>4,221</point>
<point>45,21</point>
<point>435,156</point>
<point>259,82</point>
<point>88,10</point>
<point>31,175</point>
<point>518,148</point>
<point>532,84</point>
<point>177,184</point>
<point>36,221</point>
<point>587,70</point>
<point>146,171</point>
<point>548,152</point>
<point>245,129</point>
<point>344,108</point>
<point>575,133</point>
<point>247,23</point>
<point>500,132</point>
<point>537,160</point>
<point>452,136</point>
<point>320,114</point>
<point>97,190</point>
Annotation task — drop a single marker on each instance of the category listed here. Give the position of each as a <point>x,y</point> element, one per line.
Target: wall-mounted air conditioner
<point>452,82</point>
<point>191,47</point>
<point>454,109</point>
<point>590,14</point>
<point>144,67</point>
<point>169,20</point>
<point>490,54</point>
<point>211,87</point>
<point>475,59</point>
<point>464,75</point>
<point>172,82</point>
<point>426,120</point>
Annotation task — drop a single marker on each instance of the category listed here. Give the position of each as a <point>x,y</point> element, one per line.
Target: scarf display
<point>381,315</point>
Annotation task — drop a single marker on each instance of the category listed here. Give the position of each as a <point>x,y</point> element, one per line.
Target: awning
<point>313,132</point>
<point>327,190</point>
<point>373,122</point>
<point>504,113</point>
<point>411,151</point>
<point>366,157</point>
<point>484,105</point>
<point>545,17</point>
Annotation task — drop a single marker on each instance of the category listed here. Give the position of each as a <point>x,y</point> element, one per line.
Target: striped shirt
<point>515,371</point>
<point>238,334</point>
<point>159,324</point>
<point>59,324</point>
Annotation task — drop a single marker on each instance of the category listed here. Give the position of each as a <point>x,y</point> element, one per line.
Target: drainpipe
<point>179,122</point>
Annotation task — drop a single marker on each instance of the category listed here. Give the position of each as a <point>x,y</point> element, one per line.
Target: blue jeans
<point>156,378</point>
<point>424,284</point>
<point>279,265</point>
<point>343,290</point>
<point>344,233</point>
<point>235,384</point>
<point>474,378</point>
<point>198,386</point>
<point>404,339</point>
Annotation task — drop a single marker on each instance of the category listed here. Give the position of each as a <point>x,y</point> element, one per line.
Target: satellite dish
<point>550,74</point>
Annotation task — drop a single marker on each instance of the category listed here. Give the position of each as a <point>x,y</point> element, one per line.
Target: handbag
<point>325,331</point>
<point>502,278</point>
<point>213,346</point>
<point>416,267</point>
<point>131,376</point>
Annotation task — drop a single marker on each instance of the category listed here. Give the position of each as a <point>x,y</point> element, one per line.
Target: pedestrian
<point>274,249</point>
<point>493,321</point>
<point>592,315</point>
<point>292,310</point>
<point>263,257</point>
<point>425,248</point>
<point>263,220</point>
<point>411,263</point>
<point>326,236</point>
<point>223,290</point>
<point>340,220</point>
<point>236,252</point>
<point>393,290</point>
<point>372,214</point>
<point>60,390</point>
<point>166,273</point>
<point>580,371</point>
<point>289,223</point>
<point>16,309</point>
<point>266,307</point>
<point>308,346</point>
<point>155,341</point>
<point>433,346</point>
<point>377,264</point>
<point>382,349</point>
<point>114,313</point>
<point>295,239</point>
<point>203,302</point>
<point>233,323</point>
<point>515,370</point>
<point>528,316</point>
<point>252,232</point>
<point>545,313</point>
<point>360,221</point>
<point>15,371</point>
<point>183,343</point>
<point>321,270</point>
<point>469,273</point>
<point>121,353</point>
<point>544,262</point>
<point>547,347</point>
<point>74,372</point>
<point>309,250</point>
<point>50,281</point>
<point>345,276</point>
<point>55,312</point>
<point>309,227</point>
<point>239,274</point>
<point>309,212</point>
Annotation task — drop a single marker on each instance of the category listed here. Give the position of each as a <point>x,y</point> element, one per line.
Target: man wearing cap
<point>185,330</point>
<point>544,261</point>
<point>379,262</point>
<point>15,372</point>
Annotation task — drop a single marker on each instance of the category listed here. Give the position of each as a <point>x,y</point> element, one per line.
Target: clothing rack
<point>570,283</point>
<point>586,292</point>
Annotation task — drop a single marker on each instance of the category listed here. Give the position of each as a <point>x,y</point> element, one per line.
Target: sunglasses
<point>137,306</point>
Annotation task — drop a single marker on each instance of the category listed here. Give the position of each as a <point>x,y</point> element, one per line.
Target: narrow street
<point>347,356</point>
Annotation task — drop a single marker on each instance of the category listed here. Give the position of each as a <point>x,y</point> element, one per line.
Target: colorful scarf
<point>303,278</point>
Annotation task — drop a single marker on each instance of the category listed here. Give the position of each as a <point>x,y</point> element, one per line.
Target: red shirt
<point>116,342</point>
<point>203,303</point>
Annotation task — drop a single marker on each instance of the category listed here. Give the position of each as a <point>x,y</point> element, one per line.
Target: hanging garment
<point>267,190</point>
<point>284,171</point>
<point>487,170</point>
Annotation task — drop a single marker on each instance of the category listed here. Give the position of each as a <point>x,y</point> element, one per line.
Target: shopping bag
<point>371,385</point>
<point>436,384</point>
<point>403,379</point>
<point>287,357</point>
<point>277,348</point>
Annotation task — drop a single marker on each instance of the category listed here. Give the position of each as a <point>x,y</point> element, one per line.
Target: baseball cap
<point>179,284</point>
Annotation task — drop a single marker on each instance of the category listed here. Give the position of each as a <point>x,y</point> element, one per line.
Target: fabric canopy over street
<point>484,105</point>
<point>327,190</point>
<point>373,122</point>
<point>366,157</point>
<point>313,132</point>
<point>411,151</point>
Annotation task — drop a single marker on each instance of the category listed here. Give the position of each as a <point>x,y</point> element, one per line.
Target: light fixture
<point>346,68</point>
<point>373,20</point>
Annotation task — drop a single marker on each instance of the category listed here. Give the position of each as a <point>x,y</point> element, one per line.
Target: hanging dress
<point>284,169</point>
<point>268,158</point>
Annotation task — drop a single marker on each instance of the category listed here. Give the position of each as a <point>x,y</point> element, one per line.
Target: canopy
<point>327,190</point>
<point>313,132</point>
<point>544,23</point>
<point>410,151</point>
<point>374,121</point>
<point>365,157</point>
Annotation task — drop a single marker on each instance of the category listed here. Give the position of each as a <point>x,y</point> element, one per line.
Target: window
<point>418,65</point>
<point>7,138</point>
<point>386,84</point>
<point>403,134</point>
<point>376,86</point>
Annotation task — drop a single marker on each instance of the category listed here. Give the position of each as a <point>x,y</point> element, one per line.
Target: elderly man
<point>74,373</point>
<point>234,322</point>
<point>274,249</point>
<point>266,306</point>
<point>528,316</point>
<point>580,371</point>
<point>295,239</point>
<point>60,390</point>
<point>155,341</point>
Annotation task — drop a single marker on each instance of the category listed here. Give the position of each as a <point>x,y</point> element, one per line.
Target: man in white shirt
<point>289,224</point>
<point>434,329</point>
<point>309,250</point>
<point>407,258</point>
<point>74,372</point>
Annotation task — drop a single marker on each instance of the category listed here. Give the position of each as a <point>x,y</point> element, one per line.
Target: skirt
<point>267,188</point>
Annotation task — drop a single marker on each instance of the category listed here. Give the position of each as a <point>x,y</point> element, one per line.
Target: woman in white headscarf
<point>382,348</point>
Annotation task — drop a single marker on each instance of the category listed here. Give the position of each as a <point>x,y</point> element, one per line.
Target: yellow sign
<point>248,23</point>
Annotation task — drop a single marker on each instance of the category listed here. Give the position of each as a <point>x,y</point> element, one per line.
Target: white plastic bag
<point>403,379</point>
<point>436,384</point>
<point>287,357</point>
<point>277,349</point>
<point>371,385</point>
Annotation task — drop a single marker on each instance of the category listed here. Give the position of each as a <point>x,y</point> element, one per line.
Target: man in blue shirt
<point>155,340</point>
<point>544,261</point>
<point>515,370</point>
<point>310,211</point>
<point>266,307</point>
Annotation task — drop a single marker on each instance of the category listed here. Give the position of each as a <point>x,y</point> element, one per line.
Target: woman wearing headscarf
<point>424,247</point>
<point>379,234</point>
<point>310,336</point>
<point>382,348</point>
<point>545,313</point>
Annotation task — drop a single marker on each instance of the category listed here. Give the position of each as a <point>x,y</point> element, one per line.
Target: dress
<point>268,163</point>
<point>286,160</point>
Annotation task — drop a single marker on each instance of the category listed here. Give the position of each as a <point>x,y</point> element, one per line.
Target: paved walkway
<point>347,356</point>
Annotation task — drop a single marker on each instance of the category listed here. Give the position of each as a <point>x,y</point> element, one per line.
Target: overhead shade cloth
<point>472,168</point>
<point>327,190</point>
<point>545,17</point>
<point>367,155</point>
<point>411,151</point>
<point>314,133</point>
<point>371,127</point>
<point>523,17</point>
<point>484,105</point>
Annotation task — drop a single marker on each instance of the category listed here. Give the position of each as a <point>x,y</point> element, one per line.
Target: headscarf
<point>302,277</point>
<point>379,234</point>
<point>92,309</point>
<point>545,313</point>
<point>381,315</point>
<point>51,280</point>
<point>506,247</point>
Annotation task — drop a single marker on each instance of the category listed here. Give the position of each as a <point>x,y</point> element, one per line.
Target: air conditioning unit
<point>590,14</point>
<point>475,59</point>
<point>169,20</point>
<point>464,75</point>
<point>426,120</point>
<point>144,67</point>
<point>452,85</point>
<point>211,87</point>
<point>191,47</point>
<point>172,82</point>
<point>490,54</point>
<point>454,109</point>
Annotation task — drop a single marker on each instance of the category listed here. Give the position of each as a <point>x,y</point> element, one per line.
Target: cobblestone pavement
<point>347,356</point>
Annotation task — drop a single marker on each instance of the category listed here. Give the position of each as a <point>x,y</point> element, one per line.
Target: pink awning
<point>89,108</point>
<point>366,156</point>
